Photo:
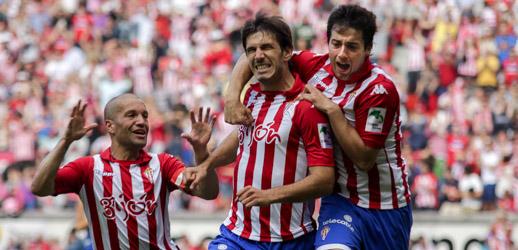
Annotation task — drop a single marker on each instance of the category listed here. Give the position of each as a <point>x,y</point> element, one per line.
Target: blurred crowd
<point>454,61</point>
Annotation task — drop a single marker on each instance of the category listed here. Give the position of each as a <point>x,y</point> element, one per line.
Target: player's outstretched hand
<point>201,129</point>
<point>251,196</point>
<point>237,113</point>
<point>76,128</point>
<point>193,176</point>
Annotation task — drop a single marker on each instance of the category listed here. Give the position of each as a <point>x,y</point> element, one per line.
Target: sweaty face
<point>130,125</point>
<point>265,57</point>
<point>347,51</point>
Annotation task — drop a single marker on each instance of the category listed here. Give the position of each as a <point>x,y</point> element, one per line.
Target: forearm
<point>200,154</point>
<point>225,153</point>
<point>315,185</point>
<point>350,141</point>
<point>241,74</point>
<point>43,182</point>
<point>209,188</point>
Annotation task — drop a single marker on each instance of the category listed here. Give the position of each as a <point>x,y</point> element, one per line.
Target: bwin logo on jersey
<point>379,90</point>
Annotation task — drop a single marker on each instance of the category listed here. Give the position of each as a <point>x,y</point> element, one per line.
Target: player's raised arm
<point>235,111</point>
<point>201,130</point>
<point>223,155</point>
<point>44,180</point>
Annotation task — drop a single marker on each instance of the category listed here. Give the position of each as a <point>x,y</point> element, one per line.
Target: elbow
<point>38,191</point>
<point>328,188</point>
<point>365,165</point>
<point>211,194</point>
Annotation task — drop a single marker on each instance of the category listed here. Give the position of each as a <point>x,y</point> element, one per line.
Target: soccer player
<point>284,159</point>
<point>124,190</point>
<point>371,206</point>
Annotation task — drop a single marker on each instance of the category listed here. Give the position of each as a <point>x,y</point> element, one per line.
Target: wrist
<point>333,109</point>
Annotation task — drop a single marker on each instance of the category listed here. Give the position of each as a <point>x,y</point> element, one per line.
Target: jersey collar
<point>294,91</point>
<point>144,157</point>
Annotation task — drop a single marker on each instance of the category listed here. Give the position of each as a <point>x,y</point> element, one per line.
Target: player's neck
<point>279,82</point>
<point>124,154</point>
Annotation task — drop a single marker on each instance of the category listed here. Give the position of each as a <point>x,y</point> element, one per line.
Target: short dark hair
<point>356,17</point>
<point>274,25</point>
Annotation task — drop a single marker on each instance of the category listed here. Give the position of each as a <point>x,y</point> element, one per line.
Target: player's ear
<point>287,53</point>
<point>109,126</point>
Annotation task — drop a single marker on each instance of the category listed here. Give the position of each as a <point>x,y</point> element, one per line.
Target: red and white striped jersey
<point>287,138</point>
<point>125,202</point>
<point>370,103</point>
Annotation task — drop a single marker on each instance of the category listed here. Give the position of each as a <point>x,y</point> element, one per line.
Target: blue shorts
<point>343,225</point>
<point>227,240</point>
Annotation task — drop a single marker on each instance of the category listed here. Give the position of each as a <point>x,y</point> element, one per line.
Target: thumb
<point>186,136</point>
<point>90,127</point>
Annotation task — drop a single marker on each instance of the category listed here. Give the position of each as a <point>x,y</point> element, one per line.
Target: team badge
<point>149,173</point>
<point>375,119</point>
<point>325,232</point>
<point>324,135</point>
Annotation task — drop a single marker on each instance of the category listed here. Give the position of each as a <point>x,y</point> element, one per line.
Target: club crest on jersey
<point>324,135</point>
<point>149,173</point>
<point>325,232</point>
<point>375,119</point>
<point>379,90</point>
<point>267,133</point>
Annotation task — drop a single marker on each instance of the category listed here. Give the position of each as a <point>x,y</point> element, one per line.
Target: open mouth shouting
<point>140,133</point>
<point>343,67</point>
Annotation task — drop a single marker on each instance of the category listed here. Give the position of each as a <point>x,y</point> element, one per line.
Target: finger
<point>186,136</point>
<point>75,109</point>
<point>207,115</point>
<point>195,182</point>
<point>245,189</point>
<point>193,117</point>
<point>212,121</point>
<point>90,127</point>
<point>82,110</point>
<point>200,114</point>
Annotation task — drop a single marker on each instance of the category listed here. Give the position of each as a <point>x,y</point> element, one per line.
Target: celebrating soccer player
<point>284,158</point>
<point>371,206</point>
<point>125,190</point>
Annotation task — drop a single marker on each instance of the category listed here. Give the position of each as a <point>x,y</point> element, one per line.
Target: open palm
<point>76,126</point>
<point>201,128</point>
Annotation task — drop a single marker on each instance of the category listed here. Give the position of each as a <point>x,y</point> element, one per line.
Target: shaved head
<point>114,105</point>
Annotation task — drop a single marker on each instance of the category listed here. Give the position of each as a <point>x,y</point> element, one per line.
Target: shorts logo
<point>324,232</point>
<point>222,246</point>
<point>375,119</point>
<point>347,221</point>
<point>324,135</point>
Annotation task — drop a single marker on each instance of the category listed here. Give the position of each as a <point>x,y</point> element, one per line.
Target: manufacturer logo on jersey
<point>98,171</point>
<point>132,207</point>
<point>324,134</point>
<point>375,120</point>
<point>324,232</point>
<point>379,90</point>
